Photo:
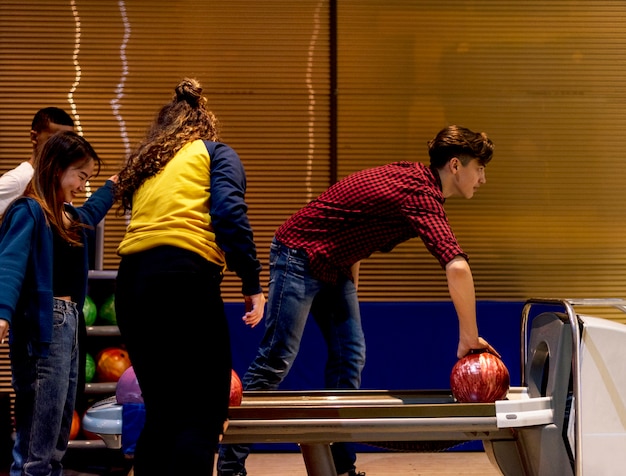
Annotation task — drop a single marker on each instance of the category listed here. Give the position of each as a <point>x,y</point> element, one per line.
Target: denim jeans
<point>293,294</point>
<point>45,394</point>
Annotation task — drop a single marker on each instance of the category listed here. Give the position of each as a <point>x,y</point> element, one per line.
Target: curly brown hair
<point>184,119</point>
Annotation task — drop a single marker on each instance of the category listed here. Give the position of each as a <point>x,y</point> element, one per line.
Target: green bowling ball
<point>107,311</point>
<point>90,311</point>
<point>90,368</point>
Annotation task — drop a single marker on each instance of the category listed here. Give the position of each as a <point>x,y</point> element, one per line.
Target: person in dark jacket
<point>44,268</point>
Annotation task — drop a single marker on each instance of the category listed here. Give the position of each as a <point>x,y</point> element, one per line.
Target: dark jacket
<point>26,260</point>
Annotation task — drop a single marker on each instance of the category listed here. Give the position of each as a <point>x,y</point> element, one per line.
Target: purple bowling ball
<point>127,390</point>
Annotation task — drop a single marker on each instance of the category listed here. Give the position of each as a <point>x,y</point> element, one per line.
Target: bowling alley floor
<point>457,463</point>
<point>382,464</point>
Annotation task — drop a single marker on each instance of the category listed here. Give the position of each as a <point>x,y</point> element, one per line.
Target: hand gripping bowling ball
<point>236,390</point>
<point>479,377</point>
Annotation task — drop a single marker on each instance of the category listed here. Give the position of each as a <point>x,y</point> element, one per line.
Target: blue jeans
<point>45,394</point>
<point>293,294</point>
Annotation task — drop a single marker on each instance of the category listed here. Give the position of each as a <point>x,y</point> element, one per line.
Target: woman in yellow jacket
<point>188,222</point>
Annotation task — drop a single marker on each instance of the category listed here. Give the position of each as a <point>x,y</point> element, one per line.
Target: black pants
<point>171,317</point>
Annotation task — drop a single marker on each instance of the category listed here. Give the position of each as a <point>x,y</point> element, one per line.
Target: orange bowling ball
<point>111,363</point>
<point>75,429</point>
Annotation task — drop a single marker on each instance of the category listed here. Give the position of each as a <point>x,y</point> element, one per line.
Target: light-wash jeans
<point>45,394</point>
<point>293,294</point>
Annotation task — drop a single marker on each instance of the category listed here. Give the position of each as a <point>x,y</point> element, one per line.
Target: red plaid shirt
<point>371,210</point>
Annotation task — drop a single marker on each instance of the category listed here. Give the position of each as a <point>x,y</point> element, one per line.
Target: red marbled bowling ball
<point>236,390</point>
<point>479,377</point>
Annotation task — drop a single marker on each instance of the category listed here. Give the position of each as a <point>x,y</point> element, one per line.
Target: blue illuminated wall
<point>410,345</point>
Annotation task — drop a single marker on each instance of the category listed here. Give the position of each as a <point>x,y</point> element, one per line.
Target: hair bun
<point>189,90</point>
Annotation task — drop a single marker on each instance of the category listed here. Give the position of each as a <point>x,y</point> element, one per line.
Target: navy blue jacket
<point>26,260</point>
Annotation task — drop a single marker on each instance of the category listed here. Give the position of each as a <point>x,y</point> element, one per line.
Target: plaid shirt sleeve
<point>427,215</point>
<point>371,210</point>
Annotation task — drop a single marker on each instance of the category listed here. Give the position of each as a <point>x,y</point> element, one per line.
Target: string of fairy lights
<point>119,90</point>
